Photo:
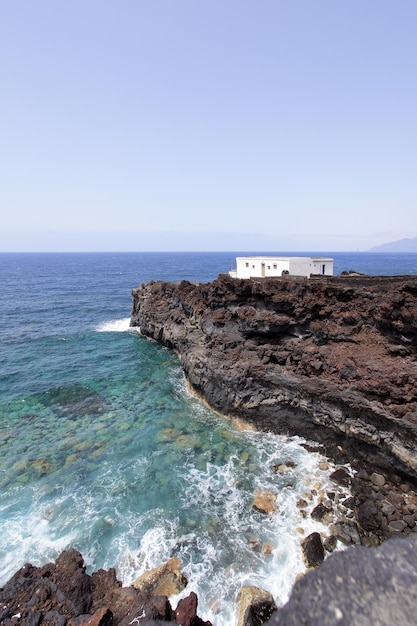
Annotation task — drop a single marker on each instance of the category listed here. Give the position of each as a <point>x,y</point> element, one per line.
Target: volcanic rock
<point>62,594</point>
<point>265,501</point>
<point>313,550</point>
<point>186,612</point>
<point>165,580</point>
<point>358,586</point>
<point>251,348</point>
<point>254,606</point>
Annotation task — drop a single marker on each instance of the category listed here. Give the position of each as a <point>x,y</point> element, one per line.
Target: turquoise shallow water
<point>103,448</point>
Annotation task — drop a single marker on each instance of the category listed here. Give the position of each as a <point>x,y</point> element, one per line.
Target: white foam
<point>30,538</point>
<point>116,326</point>
<point>215,547</point>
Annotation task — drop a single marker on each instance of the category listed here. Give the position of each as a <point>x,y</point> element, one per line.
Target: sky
<point>207,124</point>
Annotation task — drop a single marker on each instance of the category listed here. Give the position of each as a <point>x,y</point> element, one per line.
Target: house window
<point>253,267</point>
<point>246,264</point>
<point>275,266</point>
<point>269,267</point>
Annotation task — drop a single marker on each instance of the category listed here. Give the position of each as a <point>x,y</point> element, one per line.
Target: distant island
<point>402,245</point>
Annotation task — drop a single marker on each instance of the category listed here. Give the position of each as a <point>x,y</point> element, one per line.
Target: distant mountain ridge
<point>402,245</point>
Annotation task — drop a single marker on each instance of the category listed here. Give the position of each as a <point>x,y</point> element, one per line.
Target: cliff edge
<point>331,359</point>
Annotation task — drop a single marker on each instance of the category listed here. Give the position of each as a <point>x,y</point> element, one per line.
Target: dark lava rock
<point>331,359</point>
<point>186,612</point>
<point>320,511</point>
<point>341,477</point>
<point>313,550</point>
<point>357,587</point>
<point>62,594</point>
<point>368,516</point>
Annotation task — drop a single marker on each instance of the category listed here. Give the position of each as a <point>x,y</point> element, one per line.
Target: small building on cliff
<point>273,266</point>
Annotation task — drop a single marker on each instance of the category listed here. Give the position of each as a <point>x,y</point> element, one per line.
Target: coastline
<point>226,335</point>
<point>376,496</point>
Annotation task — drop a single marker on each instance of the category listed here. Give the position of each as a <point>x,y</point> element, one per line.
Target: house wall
<point>268,266</point>
<point>256,267</point>
<point>305,266</point>
<point>319,264</point>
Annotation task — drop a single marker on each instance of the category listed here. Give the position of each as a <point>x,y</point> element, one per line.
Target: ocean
<point>104,448</point>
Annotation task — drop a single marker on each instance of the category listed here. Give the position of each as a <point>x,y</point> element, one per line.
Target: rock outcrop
<point>165,580</point>
<point>254,606</point>
<point>63,594</point>
<point>331,359</point>
<point>357,587</point>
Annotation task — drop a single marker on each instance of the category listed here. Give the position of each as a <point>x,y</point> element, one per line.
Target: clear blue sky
<point>207,124</point>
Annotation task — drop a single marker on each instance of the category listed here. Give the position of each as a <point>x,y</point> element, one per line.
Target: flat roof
<point>286,258</point>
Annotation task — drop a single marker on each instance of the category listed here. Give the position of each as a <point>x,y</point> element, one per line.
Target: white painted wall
<point>259,266</point>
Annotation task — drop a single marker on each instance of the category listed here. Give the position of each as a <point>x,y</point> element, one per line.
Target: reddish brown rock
<point>62,594</point>
<point>333,359</point>
<point>186,612</point>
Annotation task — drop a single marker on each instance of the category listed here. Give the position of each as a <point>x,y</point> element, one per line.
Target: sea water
<point>102,446</point>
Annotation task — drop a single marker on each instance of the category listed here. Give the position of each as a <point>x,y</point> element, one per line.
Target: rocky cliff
<point>332,359</point>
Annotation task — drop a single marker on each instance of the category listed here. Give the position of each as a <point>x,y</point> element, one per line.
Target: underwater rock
<point>43,466</point>
<point>187,441</point>
<point>74,400</point>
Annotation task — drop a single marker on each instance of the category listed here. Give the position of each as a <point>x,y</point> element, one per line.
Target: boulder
<point>357,587</point>
<point>368,515</point>
<point>101,617</point>
<point>341,477</point>
<point>186,612</point>
<point>254,606</point>
<point>346,532</point>
<point>321,513</point>
<point>265,501</point>
<point>313,550</point>
<point>164,580</point>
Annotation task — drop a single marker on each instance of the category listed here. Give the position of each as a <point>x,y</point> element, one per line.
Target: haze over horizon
<point>207,126</point>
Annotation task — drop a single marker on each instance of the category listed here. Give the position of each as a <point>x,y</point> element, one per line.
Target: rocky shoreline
<point>63,594</point>
<point>329,359</point>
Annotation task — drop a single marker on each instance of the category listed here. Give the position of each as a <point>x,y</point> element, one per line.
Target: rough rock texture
<point>313,550</point>
<point>62,594</point>
<point>254,606</point>
<point>265,501</point>
<point>333,359</point>
<point>357,587</point>
<point>165,580</point>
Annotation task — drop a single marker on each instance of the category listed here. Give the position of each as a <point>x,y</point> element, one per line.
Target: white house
<point>268,266</point>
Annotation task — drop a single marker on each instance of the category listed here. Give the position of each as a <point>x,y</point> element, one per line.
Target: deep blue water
<point>102,447</point>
